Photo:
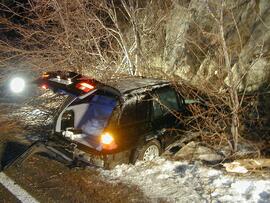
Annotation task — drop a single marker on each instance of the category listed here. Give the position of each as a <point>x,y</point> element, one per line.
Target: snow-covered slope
<point>176,181</point>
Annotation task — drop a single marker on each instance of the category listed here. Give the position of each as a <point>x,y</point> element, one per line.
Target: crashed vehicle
<point>122,121</point>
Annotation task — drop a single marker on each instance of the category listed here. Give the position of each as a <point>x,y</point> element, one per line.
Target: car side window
<point>142,108</point>
<point>165,101</point>
<point>135,109</point>
<point>157,110</point>
<point>128,114</point>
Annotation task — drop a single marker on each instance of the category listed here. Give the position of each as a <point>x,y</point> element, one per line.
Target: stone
<point>195,151</point>
<point>184,41</point>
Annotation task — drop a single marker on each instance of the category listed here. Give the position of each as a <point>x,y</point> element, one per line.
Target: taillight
<point>85,87</point>
<point>44,86</point>
<point>107,141</point>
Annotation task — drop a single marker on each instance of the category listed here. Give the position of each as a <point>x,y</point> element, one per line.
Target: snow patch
<point>177,181</point>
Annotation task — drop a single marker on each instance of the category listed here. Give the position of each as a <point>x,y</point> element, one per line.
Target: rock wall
<point>184,40</point>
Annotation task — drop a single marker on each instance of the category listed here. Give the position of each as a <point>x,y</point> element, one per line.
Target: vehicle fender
<point>150,136</point>
<point>145,139</point>
<point>159,135</point>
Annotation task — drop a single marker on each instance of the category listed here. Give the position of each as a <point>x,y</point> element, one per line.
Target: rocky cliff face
<point>182,38</point>
<point>179,37</point>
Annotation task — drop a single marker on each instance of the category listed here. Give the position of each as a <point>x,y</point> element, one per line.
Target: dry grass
<point>58,183</point>
<point>6,196</point>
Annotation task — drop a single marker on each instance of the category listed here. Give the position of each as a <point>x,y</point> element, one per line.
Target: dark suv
<point>122,121</point>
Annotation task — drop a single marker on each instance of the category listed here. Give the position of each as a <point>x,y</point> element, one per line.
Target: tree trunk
<point>234,100</point>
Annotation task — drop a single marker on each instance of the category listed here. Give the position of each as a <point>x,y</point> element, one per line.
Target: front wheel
<point>149,151</point>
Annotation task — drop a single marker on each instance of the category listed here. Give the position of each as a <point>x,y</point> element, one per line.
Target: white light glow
<point>106,138</point>
<point>17,85</point>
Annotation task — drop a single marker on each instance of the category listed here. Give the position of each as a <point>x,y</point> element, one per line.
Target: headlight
<point>106,138</point>
<point>108,141</point>
<point>17,85</point>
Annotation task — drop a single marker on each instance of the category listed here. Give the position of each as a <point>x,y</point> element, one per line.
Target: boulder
<point>245,165</point>
<point>195,151</point>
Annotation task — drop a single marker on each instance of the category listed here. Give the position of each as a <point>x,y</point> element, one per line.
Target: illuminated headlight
<point>17,85</point>
<point>106,138</point>
<point>108,141</point>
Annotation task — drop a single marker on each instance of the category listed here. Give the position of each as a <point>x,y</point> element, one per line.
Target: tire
<point>148,152</point>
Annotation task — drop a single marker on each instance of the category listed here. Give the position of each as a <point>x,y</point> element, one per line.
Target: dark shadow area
<point>10,151</point>
<point>175,149</point>
<point>264,197</point>
<point>181,169</point>
<point>52,156</point>
<point>16,153</point>
<point>258,117</point>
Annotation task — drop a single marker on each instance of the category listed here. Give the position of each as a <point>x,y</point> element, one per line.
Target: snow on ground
<point>176,181</point>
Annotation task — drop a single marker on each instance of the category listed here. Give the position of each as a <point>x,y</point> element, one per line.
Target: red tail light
<point>85,86</point>
<point>44,86</point>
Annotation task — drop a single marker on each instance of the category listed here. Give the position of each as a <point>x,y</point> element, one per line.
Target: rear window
<point>92,114</point>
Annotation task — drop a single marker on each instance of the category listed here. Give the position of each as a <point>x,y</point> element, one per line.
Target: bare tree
<point>66,34</point>
<point>232,85</point>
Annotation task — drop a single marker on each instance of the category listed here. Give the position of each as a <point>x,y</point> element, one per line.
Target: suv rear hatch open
<point>84,118</point>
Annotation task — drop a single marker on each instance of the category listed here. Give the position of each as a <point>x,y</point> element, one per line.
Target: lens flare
<point>108,142</point>
<point>17,85</point>
<point>106,138</point>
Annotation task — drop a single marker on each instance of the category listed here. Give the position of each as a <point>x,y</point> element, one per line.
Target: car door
<point>165,113</point>
<point>133,122</point>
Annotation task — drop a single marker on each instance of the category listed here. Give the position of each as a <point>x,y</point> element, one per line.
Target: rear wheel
<point>149,151</point>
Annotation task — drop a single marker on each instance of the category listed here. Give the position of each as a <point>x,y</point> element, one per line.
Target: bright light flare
<point>107,141</point>
<point>106,138</point>
<point>17,85</point>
